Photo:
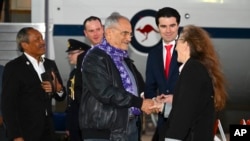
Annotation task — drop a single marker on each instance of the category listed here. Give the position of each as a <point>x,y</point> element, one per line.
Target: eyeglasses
<point>125,33</point>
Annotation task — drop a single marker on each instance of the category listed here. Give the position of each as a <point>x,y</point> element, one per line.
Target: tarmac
<point>147,136</point>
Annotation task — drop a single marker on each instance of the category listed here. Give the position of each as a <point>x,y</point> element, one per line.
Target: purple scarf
<point>118,56</point>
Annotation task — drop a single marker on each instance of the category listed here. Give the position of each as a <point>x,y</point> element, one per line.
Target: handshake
<point>156,104</point>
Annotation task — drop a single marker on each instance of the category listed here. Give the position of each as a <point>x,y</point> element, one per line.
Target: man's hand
<point>164,98</point>
<point>46,85</point>
<point>58,87</point>
<point>157,107</point>
<point>18,139</point>
<point>147,103</point>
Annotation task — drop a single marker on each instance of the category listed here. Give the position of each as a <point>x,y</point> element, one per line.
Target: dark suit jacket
<point>192,116</point>
<point>24,102</point>
<point>72,109</point>
<point>156,82</point>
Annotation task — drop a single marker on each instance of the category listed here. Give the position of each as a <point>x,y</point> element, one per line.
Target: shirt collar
<point>172,42</point>
<point>32,59</point>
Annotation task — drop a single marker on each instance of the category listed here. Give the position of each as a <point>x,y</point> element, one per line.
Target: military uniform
<point>72,123</point>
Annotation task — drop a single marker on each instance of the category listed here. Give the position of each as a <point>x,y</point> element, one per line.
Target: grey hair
<point>113,20</point>
<point>23,36</point>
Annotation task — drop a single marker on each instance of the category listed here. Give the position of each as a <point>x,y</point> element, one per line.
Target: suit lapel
<point>173,62</point>
<point>160,61</point>
<point>47,67</point>
<point>30,67</point>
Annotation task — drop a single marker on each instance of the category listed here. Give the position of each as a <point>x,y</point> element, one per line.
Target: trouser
<point>132,131</point>
<point>49,132</point>
<point>75,135</point>
<point>160,131</point>
<point>3,136</point>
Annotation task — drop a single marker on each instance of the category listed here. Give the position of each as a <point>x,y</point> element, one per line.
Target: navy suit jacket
<point>24,102</point>
<point>156,82</point>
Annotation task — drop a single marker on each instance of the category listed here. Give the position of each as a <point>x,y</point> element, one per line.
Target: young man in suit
<point>93,31</point>
<point>161,77</point>
<point>27,92</point>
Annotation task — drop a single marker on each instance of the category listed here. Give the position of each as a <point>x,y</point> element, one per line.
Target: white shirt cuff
<point>167,109</point>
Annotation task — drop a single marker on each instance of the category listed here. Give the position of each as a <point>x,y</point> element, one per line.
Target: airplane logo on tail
<point>146,30</point>
<point>146,34</point>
